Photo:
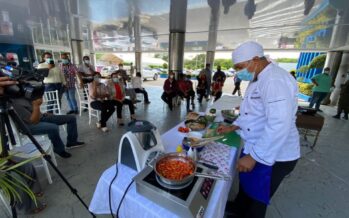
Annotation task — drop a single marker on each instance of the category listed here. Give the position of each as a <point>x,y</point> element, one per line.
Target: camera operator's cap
<point>247,51</point>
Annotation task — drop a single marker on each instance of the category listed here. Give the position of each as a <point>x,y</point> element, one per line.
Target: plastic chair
<point>26,149</point>
<point>51,103</point>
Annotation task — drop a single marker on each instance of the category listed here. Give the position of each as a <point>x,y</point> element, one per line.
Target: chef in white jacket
<point>267,126</point>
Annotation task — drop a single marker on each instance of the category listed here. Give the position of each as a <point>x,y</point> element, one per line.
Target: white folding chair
<point>83,97</point>
<point>51,103</point>
<point>26,149</point>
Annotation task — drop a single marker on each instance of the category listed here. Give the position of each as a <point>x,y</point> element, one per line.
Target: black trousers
<point>167,98</point>
<point>217,95</point>
<point>246,207</point>
<point>119,105</point>
<point>107,109</point>
<point>201,94</point>
<point>145,93</point>
<point>190,96</point>
<point>237,89</point>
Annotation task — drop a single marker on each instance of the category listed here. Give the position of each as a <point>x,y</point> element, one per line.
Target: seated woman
<point>202,86</point>
<point>217,87</point>
<point>118,88</point>
<point>137,85</point>
<point>170,90</point>
<point>100,100</point>
<point>186,90</point>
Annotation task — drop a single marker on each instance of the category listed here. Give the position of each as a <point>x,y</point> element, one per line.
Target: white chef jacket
<point>267,118</point>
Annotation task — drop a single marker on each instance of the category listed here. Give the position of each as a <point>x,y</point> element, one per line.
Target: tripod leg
<point>26,131</point>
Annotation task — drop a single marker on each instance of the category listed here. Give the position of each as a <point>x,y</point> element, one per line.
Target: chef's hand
<point>225,129</point>
<point>246,164</point>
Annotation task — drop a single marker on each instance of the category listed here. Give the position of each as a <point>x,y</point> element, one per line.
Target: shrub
<point>318,62</point>
<point>305,88</point>
<point>303,69</point>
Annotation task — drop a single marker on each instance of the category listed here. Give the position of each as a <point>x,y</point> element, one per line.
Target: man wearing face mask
<point>322,86</point>
<point>87,70</point>
<point>267,126</point>
<point>55,79</point>
<point>72,76</point>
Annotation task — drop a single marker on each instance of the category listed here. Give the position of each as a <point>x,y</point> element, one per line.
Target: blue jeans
<point>317,99</point>
<point>53,87</point>
<point>70,95</point>
<point>50,125</point>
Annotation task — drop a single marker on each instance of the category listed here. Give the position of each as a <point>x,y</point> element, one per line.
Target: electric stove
<point>190,200</point>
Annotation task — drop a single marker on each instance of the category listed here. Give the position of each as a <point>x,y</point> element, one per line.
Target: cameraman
<point>41,124</point>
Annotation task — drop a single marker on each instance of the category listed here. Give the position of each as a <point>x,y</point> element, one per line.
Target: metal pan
<point>187,179</point>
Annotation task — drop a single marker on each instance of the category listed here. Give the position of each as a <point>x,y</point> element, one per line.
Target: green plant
<point>286,60</point>
<point>318,62</point>
<point>9,184</point>
<point>305,88</point>
<point>303,69</point>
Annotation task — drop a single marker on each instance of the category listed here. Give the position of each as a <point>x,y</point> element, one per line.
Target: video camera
<point>30,82</point>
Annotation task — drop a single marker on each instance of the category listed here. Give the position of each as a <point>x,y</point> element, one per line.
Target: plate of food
<point>192,116</point>
<point>195,125</point>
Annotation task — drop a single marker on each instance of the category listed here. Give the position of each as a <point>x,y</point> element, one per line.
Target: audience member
<point>185,90</point>
<point>137,86</point>
<point>202,86</point>
<point>119,97</point>
<point>47,124</point>
<point>170,90</point>
<point>72,76</point>
<point>100,100</point>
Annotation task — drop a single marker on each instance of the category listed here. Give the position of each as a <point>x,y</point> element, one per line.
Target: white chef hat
<point>247,51</point>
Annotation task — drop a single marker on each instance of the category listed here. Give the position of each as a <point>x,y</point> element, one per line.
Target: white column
<point>340,79</point>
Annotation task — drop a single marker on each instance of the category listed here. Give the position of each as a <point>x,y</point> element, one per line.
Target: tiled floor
<point>318,187</point>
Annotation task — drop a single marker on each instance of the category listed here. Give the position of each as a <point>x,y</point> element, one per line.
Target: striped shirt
<point>70,72</point>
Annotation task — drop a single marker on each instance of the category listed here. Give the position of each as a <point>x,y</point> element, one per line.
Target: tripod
<point>5,112</point>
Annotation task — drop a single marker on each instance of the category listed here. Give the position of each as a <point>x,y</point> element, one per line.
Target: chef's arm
<point>280,114</point>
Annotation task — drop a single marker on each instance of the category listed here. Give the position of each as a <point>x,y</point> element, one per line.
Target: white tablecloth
<point>135,205</point>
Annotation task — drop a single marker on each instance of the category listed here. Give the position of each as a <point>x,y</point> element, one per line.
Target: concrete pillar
<point>138,42</point>
<point>340,29</point>
<point>333,60</point>
<point>75,33</point>
<point>178,21</point>
<point>340,78</point>
<point>212,31</point>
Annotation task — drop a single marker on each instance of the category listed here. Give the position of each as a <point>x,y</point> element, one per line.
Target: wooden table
<point>308,123</point>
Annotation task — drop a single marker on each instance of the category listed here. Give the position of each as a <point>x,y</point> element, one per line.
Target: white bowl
<point>194,134</point>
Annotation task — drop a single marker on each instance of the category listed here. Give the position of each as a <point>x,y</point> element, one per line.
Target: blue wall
<point>304,59</point>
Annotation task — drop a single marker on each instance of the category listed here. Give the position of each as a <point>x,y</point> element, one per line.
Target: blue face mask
<point>65,61</point>
<point>48,60</point>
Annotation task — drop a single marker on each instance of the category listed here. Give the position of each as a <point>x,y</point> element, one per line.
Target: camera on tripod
<point>30,82</point>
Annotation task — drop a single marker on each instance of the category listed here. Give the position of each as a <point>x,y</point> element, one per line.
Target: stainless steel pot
<point>188,179</point>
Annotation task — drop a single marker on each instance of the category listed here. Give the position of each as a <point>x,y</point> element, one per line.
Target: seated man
<point>41,124</point>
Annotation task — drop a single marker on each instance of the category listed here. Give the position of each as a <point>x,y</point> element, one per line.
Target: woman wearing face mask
<point>100,100</point>
<point>170,90</point>
<point>55,79</point>
<point>118,89</point>
<point>137,86</point>
<point>72,76</point>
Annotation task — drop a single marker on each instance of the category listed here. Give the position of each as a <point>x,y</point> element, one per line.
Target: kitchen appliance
<point>139,145</point>
<point>189,200</point>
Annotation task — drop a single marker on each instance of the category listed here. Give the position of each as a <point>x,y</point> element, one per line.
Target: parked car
<point>149,73</point>
<point>107,71</point>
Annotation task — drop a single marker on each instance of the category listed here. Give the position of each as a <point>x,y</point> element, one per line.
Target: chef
<point>267,127</point>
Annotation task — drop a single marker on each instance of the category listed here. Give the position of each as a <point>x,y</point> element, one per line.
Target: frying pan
<point>188,179</point>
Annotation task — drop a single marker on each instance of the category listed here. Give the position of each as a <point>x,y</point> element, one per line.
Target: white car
<point>148,73</point>
<point>107,71</point>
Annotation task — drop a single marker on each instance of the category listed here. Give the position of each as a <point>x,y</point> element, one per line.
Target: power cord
<point>123,196</point>
<point>111,183</point>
